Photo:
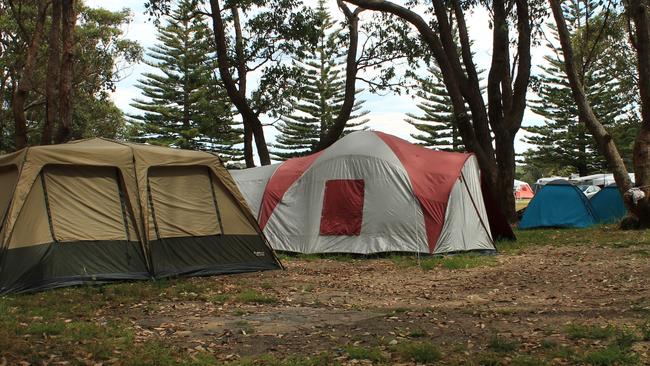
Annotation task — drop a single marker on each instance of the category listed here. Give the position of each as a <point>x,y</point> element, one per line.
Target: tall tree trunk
<point>512,104</point>
<point>238,99</point>
<point>505,154</point>
<point>3,88</point>
<point>25,84</point>
<point>242,75</point>
<point>69,19</point>
<point>52,79</point>
<point>335,131</point>
<point>248,147</point>
<point>603,138</point>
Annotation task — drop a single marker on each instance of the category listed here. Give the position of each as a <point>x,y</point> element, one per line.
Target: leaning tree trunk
<point>238,99</point>
<point>52,81</point>
<point>638,11</point>
<point>603,138</point>
<point>25,83</point>
<point>69,19</point>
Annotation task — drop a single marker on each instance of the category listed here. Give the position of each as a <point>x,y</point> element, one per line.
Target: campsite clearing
<point>555,297</point>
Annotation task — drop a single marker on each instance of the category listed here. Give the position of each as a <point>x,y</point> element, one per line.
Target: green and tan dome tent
<point>99,210</point>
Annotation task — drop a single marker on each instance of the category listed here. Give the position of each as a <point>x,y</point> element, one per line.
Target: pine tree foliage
<point>436,123</point>
<point>321,94</point>
<point>184,104</point>
<point>563,140</point>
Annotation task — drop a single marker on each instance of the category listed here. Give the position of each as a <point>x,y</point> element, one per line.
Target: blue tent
<point>558,204</point>
<point>608,204</point>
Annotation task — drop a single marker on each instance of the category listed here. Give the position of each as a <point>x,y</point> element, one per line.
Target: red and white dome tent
<point>522,190</point>
<point>372,192</point>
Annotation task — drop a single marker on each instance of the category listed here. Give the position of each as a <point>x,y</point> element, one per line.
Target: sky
<point>387,112</point>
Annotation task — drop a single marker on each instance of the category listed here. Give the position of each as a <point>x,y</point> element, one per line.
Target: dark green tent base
<point>207,255</point>
<point>51,265</point>
<point>60,282</point>
<point>97,262</point>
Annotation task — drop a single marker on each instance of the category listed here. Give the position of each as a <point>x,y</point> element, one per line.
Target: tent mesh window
<point>84,203</point>
<point>342,207</point>
<point>182,202</point>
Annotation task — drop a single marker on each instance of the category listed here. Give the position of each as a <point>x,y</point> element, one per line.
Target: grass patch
<point>584,331</point>
<point>502,344</point>
<point>421,352</point>
<point>254,297</point>
<point>44,329</point>
<point>512,247</point>
<point>362,353</point>
<point>528,361</point>
<point>489,361</point>
<point>323,359</point>
<point>641,253</point>
<point>611,355</point>
<point>459,261</point>
<point>418,333</point>
<point>625,338</point>
<point>645,331</point>
<point>244,327</point>
<point>549,344</point>
<point>519,204</point>
<point>316,257</point>
<point>600,235</point>
<point>153,352</point>
<point>399,310</point>
<point>219,298</point>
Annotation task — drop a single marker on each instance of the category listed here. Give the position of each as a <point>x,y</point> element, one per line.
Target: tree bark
<point>242,74</point>
<point>602,137</point>
<point>335,131</point>
<point>638,11</point>
<point>248,147</point>
<point>3,88</point>
<point>238,99</point>
<point>25,84</point>
<point>69,19</point>
<point>52,80</point>
<point>513,106</point>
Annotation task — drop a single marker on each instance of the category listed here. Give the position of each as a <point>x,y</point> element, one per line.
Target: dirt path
<point>325,305</point>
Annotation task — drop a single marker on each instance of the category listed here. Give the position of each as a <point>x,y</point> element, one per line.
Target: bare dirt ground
<point>515,309</point>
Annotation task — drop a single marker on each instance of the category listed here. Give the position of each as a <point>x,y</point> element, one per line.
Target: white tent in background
<point>251,183</point>
<point>543,181</point>
<point>522,190</point>
<point>600,180</point>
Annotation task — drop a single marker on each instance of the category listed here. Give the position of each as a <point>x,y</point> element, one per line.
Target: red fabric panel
<point>432,174</point>
<point>342,207</point>
<point>283,178</point>
<point>524,191</point>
